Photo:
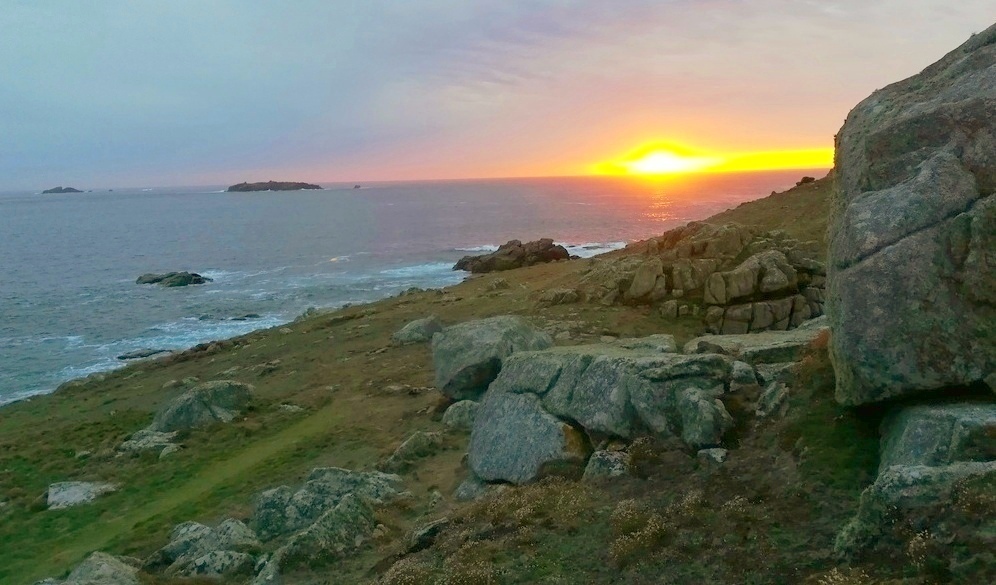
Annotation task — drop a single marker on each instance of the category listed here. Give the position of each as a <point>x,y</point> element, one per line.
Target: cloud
<point>143,91</point>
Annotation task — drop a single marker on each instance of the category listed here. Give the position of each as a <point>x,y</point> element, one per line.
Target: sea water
<point>69,304</point>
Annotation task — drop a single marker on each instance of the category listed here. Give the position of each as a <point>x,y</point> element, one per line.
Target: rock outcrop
<point>468,356</point>
<point>173,279</point>
<point>283,511</point>
<point>67,494</point>
<point>912,244</point>
<point>927,452</point>
<point>100,569</point>
<point>739,280</point>
<point>272,186</point>
<point>196,550</point>
<point>418,331</point>
<point>207,403</point>
<point>544,409</point>
<point>61,190</point>
<point>514,254</point>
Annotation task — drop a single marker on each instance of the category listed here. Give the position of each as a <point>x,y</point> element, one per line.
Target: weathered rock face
<point>514,254</point>
<point>769,347</point>
<point>694,269</point>
<point>926,452</point>
<point>540,440</point>
<point>171,279</point>
<point>418,445</point>
<point>606,465</point>
<point>468,356</point>
<point>939,435</point>
<point>198,550</point>
<point>912,244</point>
<point>75,493</point>
<point>418,331</point>
<point>545,406</point>
<point>208,403</point>
<point>460,415</point>
<point>336,532</point>
<point>283,510</point>
<point>146,440</point>
<point>102,569</point>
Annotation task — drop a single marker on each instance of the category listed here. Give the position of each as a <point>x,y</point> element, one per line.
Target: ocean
<point>69,304</point>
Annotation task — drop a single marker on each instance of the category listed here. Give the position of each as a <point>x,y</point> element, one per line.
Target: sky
<point>104,93</point>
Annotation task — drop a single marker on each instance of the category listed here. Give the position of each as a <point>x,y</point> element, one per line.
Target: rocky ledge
<point>272,186</point>
<point>171,279</point>
<point>514,254</point>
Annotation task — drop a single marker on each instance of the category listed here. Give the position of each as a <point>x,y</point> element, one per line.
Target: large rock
<point>67,494</point>
<point>514,254</point>
<point>927,452</point>
<point>146,440</point>
<point>102,569</point>
<point>939,435</point>
<point>902,489</point>
<point>418,331</point>
<point>468,356</point>
<point>545,404</point>
<point>283,510</point>
<point>420,444</point>
<point>173,279</point>
<point>460,415</point>
<point>195,549</point>
<point>336,532</point>
<point>514,440</point>
<point>208,403</point>
<point>763,273</point>
<point>767,347</point>
<point>912,247</point>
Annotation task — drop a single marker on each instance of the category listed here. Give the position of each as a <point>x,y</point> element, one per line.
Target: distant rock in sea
<point>514,254</point>
<point>61,189</point>
<point>171,279</point>
<point>271,186</point>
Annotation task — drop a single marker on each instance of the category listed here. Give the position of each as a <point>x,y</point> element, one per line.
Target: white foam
<point>592,248</point>
<point>481,248</point>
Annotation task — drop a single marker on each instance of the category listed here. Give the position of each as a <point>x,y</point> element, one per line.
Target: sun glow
<point>669,159</point>
<point>658,159</point>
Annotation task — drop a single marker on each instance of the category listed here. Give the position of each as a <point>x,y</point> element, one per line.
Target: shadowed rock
<point>514,254</point>
<point>911,287</point>
<point>468,356</point>
<point>208,403</point>
<point>173,279</point>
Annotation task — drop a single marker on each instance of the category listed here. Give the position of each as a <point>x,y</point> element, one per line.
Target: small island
<point>61,189</point>
<point>271,186</point>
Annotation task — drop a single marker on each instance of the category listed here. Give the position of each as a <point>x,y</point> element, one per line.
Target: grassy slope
<point>342,371</point>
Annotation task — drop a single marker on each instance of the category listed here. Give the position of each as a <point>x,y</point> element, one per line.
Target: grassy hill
<point>766,516</point>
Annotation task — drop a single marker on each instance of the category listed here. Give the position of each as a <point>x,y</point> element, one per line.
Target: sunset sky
<point>145,92</point>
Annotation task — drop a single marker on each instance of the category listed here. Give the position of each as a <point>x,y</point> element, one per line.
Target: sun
<point>658,159</point>
<point>663,162</point>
